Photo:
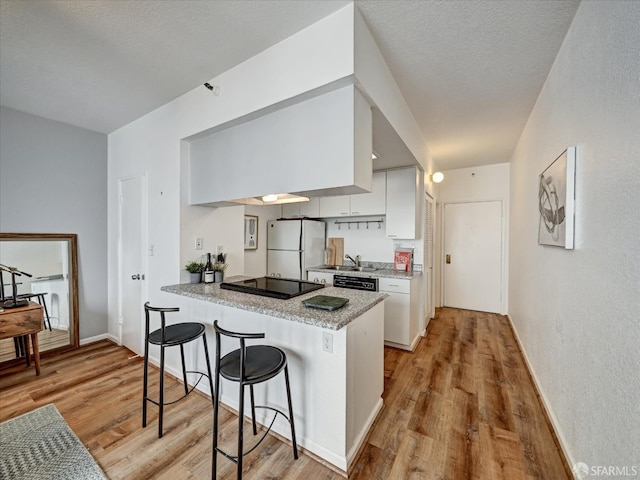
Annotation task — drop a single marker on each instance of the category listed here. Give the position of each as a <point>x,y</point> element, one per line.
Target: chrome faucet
<point>356,262</point>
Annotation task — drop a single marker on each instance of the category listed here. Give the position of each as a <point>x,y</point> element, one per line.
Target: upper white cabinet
<point>338,206</point>
<point>403,205</point>
<point>310,209</point>
<point>373,203</point>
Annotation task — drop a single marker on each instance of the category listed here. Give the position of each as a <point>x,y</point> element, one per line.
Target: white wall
<point>576,312</point>
<point>53,179</point>
<point>255,261</point>
<point>476,184</point>
<point>218,227</point>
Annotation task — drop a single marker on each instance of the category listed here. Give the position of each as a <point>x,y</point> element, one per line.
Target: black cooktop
<point>282,288</point>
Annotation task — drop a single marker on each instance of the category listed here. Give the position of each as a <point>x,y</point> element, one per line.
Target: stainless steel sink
<point>365,269</point>
<point>339,267</point>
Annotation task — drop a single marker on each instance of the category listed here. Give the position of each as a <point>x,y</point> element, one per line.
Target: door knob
<point>135,277</point>
<point>448,259</point>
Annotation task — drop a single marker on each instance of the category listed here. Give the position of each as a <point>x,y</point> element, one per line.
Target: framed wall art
<point>250,232</point>
<point>556,201</point>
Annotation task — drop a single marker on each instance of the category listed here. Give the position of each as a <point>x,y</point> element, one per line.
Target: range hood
<point>317,147</point>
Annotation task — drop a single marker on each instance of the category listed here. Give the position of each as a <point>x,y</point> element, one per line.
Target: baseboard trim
<point>551,420</point>
<point>97,338</point>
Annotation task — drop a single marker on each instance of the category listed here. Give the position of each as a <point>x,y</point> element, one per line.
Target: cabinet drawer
<point>394,285</point>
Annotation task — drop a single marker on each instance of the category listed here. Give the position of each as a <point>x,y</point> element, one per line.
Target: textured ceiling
<point>469,70</point>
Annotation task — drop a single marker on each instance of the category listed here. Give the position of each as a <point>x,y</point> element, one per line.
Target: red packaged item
<point>402,260</point>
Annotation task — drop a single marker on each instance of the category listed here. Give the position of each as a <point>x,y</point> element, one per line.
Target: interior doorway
<point>132,265</point>
<point>472,248</point>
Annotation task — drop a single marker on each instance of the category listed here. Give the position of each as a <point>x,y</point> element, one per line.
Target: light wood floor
<point>461,406</point>
<point>47,340</point>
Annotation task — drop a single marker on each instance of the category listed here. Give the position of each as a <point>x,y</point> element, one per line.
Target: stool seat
<point>261,363</point>
<point>177,334</point>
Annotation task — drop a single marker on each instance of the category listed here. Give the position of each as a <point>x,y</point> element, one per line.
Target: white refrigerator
<point>293,245</point>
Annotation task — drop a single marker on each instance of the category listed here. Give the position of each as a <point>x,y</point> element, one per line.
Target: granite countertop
<point>292,309</point>
<point>379,273</point>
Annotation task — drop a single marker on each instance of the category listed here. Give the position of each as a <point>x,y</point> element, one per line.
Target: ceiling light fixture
<point>270,198</point>
<point>437,177</point>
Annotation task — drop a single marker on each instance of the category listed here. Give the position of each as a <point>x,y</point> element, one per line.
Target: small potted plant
<point>195,269</point>
<point>218,271</point>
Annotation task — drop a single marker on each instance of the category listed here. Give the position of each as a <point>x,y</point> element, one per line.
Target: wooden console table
<point>28,321</point>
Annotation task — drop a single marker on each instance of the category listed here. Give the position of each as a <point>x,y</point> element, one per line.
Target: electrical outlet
<point>327,342</point>
<point>199,243</point>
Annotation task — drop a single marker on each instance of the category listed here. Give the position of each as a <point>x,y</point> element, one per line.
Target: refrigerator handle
<point>300,240</point>
<point>302,277</point>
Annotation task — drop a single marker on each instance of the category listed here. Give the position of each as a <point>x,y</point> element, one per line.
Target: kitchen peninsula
<point>335,359</point>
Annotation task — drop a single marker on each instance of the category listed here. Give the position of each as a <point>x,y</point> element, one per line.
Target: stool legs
<point>216,406</point>
<point>293,429</point>
<point>145,391</point>
<point>44,305</point>
<point>184,371</point>
<point>240,430</point>
<point>253,411</point>
<point>206,356</point>
<point>161,402</point>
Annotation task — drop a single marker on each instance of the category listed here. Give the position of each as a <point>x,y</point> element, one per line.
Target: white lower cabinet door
<point>397,312</point>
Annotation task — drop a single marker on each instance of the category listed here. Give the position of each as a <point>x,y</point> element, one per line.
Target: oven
<point>357,283</point>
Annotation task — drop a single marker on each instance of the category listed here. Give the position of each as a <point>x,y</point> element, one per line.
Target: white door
<point>473,256</point>
<point>131,269</point>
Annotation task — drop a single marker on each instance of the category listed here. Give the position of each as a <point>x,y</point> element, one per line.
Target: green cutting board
<point>325,302</point>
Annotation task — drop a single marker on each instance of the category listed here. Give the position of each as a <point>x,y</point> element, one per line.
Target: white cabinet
<point>339,206</point>
<point>373,203</point>
<point>401,312</point>
<point>320,277</point>
<point>403,204</point>
<point>310,209</point>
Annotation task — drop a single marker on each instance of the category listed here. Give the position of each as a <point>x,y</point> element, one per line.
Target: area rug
<point>40,445</point>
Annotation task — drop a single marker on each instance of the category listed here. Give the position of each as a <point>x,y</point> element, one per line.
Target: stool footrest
<point>234,458</point>
<point>193,387</point>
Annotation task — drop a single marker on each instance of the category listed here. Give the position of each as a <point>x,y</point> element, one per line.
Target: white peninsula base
<point>336,394</point>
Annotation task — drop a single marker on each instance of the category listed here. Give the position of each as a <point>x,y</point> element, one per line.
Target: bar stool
<point>170,336</point>
<point>248,366</point>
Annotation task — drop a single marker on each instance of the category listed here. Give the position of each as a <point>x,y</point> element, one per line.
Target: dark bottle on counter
<point>208,270</point>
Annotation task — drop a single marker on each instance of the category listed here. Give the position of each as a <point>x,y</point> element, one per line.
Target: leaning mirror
<point>43,268</point>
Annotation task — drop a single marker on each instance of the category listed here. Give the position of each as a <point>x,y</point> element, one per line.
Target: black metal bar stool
<point>248,366</point>
<point>170,336</point>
